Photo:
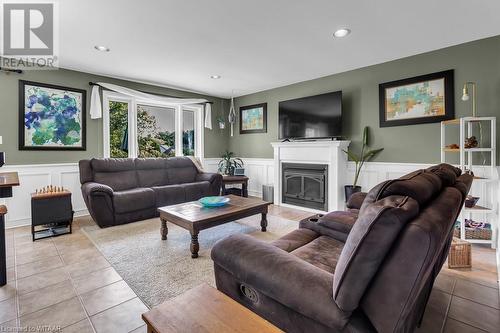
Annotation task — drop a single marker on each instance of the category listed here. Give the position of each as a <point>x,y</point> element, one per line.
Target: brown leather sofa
<point>123,190</point>
<point>370,269</point>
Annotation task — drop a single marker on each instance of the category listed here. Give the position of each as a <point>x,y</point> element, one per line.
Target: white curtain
<point>96,105</point>
<point>208,116</point>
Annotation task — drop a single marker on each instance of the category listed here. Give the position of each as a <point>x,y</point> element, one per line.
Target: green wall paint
<point>477,61</point>
<point>215,140</point>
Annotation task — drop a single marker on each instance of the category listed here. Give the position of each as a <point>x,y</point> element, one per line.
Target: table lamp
<point>465,95</point>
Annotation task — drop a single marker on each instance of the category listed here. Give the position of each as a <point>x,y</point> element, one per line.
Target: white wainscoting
<point>34,177</point>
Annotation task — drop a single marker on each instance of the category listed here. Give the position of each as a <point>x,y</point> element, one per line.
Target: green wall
<point>477,61</point>
<point>215,140</point>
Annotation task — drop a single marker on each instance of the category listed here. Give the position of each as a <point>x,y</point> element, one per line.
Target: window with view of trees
<point>155,131</point>
<point>134,128</point>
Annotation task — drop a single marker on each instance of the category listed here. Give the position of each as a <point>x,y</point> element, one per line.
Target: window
<point>134,128</point>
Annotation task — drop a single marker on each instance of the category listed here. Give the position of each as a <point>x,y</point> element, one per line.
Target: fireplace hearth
<point>305,185</point>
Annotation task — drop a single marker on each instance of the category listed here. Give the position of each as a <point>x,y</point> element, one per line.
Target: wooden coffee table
<point>193,217</point>
<point>205,309</point>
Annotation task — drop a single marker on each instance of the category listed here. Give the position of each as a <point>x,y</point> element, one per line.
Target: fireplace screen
<point>305,185</point>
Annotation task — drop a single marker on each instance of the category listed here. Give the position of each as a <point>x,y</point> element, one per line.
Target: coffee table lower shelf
<point>205,309</point>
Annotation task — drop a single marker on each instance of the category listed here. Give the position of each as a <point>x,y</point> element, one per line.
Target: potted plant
<point>359,160</point>
<point>221,122</point>
<point>228,163</point>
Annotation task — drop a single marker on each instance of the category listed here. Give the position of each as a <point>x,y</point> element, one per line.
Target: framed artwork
<point>253,119</point>
<point>51,117</point>
<point>418,100</point>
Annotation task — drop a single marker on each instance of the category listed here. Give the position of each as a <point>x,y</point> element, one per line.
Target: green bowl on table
<point>216,201</point>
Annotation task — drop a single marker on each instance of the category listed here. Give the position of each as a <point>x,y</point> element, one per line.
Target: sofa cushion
<point>133,200</point>
<point>151,172</point>
<point>322,252</point>
<point>195,191</point>
<point>180,170</point>
<point>295,239</point>
<point>370,239</point>
<point>117,173</point>
<point>169,195</point>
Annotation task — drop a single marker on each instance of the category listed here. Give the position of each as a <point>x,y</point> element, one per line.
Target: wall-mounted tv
<point>311,117</point>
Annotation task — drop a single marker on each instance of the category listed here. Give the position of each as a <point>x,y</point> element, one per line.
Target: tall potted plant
<point>359,160</point>
<point>228,163</point>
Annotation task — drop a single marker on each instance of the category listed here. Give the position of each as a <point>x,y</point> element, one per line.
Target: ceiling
<point>258,44</point>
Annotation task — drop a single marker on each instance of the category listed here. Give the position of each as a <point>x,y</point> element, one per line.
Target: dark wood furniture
<point>205,309</point>
<point>7,181</point>
<point>193,217</point>
<point>230,180</point>
<point>53,211</point>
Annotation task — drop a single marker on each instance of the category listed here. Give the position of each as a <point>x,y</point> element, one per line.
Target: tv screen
<point>317,116</point>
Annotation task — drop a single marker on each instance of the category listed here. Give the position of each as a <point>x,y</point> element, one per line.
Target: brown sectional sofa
<point>370,269</point>
<point>118,191</point>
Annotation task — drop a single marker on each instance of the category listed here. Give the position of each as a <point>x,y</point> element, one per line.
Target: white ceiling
<point>258,44</point>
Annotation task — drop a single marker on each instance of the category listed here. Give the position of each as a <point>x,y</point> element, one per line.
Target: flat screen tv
<point>311,117</point>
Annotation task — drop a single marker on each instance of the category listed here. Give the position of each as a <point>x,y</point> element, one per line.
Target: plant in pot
<point>221,122</point>
<point>359,160</point>
<point>228,163</point>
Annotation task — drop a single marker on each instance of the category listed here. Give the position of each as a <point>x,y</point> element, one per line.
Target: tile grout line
<point>87,316</point>
<point>443,325</point>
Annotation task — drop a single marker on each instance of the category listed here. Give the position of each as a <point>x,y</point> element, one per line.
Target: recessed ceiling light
<point>342,32</point>
<point>102,48</point>
<point>215,77</point>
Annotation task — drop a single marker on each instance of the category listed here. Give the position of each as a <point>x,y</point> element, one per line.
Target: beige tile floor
<point>65,284</point>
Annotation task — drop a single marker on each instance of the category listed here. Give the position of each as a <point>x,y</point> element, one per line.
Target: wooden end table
<point>7,181</point>
<point>205,309</point>
<point>230,180</point>
<point>193,217</point>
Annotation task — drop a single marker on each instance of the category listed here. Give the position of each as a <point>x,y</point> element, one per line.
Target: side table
<point>7,181</point>
<point>230,180</point>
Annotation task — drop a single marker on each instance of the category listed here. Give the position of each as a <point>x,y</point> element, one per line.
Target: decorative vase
<point>350,190</point>
<point>222,125</point>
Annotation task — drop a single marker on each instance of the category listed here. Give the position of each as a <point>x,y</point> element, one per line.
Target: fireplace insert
<point>305,185</point>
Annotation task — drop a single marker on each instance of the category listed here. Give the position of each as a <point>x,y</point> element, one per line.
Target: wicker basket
<point>477,233</point>
<point>460,255</point>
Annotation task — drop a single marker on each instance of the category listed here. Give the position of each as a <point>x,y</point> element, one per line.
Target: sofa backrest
<point>151,171</point>
<point>398,293</point>
<point>382,217</point>
<point>128,173</point>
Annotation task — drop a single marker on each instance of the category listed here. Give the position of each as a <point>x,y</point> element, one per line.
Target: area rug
<point>159,270</point>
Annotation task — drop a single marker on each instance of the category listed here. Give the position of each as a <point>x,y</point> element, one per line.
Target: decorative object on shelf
<point>232,116</point>
<point>239,171</point>
<point>418,100</point>
<point>460,255</point>
<point>218,201</point>
<point>51,117</point>
<point>228,163</point>
<point>466,97</point>
<point>453,146</point>
<point>471,142</point>
<point>473,231</point>
<point>359,161</point>
<point>253,119</point>
<point>51,212</point>
<point>221,122</point>
<point>471,201</point>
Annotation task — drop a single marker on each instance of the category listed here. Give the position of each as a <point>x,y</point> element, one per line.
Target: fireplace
<point>305,185</point>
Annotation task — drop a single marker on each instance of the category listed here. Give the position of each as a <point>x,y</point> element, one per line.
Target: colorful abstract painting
<point>51,117</point>
<point>422,99</point>
<point>253,119</point>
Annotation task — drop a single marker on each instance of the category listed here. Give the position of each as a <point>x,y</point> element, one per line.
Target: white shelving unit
<point>485,176</point>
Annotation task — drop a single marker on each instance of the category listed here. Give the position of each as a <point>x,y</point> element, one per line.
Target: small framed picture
<point>51,117</point>
<point>417,100</point>
<point>253,119</point>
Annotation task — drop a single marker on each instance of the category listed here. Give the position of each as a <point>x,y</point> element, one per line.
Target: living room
<point>257,167</point>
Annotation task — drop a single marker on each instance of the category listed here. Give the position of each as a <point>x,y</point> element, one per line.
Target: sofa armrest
<point>281,276</point>
<point>356,200</point>
<point>91,188</point>
<point>208,177</point>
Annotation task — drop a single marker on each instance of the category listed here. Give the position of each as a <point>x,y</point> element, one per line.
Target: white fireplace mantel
<point>314,152</point>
